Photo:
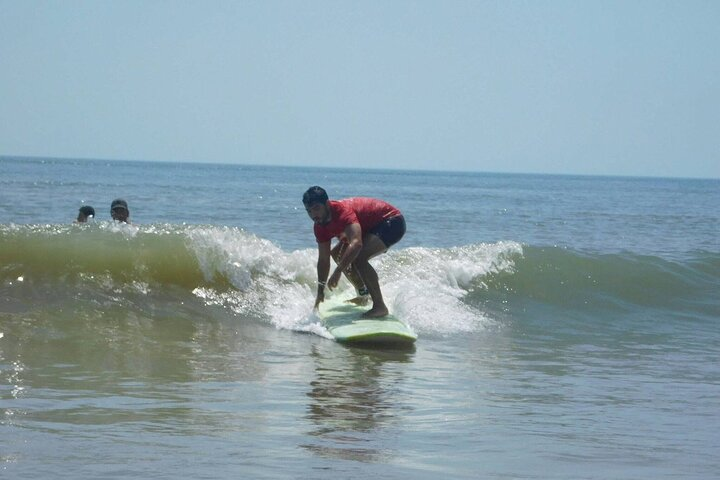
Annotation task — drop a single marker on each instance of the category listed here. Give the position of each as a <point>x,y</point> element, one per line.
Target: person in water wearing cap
<point>85,213</point>
<point>119,211</point>
<point>366,227</point>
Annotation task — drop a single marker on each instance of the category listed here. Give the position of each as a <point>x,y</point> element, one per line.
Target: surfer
<point>119,211</point>
<point>85,213</point>
<point>366,227</point>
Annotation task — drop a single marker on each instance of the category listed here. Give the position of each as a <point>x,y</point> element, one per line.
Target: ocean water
<point>569,327</point>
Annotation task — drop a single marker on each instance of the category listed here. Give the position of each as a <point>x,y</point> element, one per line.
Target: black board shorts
<point>390,231</point>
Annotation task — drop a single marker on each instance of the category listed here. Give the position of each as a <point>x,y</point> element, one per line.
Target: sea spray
<point>427,286</point>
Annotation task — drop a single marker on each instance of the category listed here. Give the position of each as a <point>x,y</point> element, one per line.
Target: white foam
<point>424,287</point>
<point>242,257</point>
<point>129,230</point>
<point>270,282</point>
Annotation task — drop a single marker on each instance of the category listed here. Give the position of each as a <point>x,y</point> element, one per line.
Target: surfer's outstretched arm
<point>323,269</point>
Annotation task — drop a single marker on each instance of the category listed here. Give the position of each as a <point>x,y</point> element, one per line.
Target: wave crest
<point>435,290</point>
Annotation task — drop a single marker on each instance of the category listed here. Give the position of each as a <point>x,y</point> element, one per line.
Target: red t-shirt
<point>368,212</point>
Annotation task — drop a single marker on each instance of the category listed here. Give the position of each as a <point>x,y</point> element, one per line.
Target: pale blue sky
<point>575,87</point>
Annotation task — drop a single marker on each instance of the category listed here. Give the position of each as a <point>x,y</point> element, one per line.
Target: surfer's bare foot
<point>360,300</point>
<point>376,312</point>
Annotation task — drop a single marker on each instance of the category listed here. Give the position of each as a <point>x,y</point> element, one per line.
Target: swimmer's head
<point>85,213</point>
<point>119,210</point>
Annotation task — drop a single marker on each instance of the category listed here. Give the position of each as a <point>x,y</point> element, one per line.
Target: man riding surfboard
<point>366,227</point>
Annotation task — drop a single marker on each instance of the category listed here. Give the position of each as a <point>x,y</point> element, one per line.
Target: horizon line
<point>379,169</point>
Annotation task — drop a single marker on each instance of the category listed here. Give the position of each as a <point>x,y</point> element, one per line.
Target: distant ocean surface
<point>569,327</point>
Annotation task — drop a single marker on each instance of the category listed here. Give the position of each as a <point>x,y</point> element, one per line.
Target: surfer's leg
<point>377,241</point>
<point>372,246</point>
<point>379,309</point>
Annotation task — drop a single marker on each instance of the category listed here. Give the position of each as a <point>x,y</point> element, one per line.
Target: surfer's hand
<point>334,279</point>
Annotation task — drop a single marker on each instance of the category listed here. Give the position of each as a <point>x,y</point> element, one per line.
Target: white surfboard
<point>345,323</point>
